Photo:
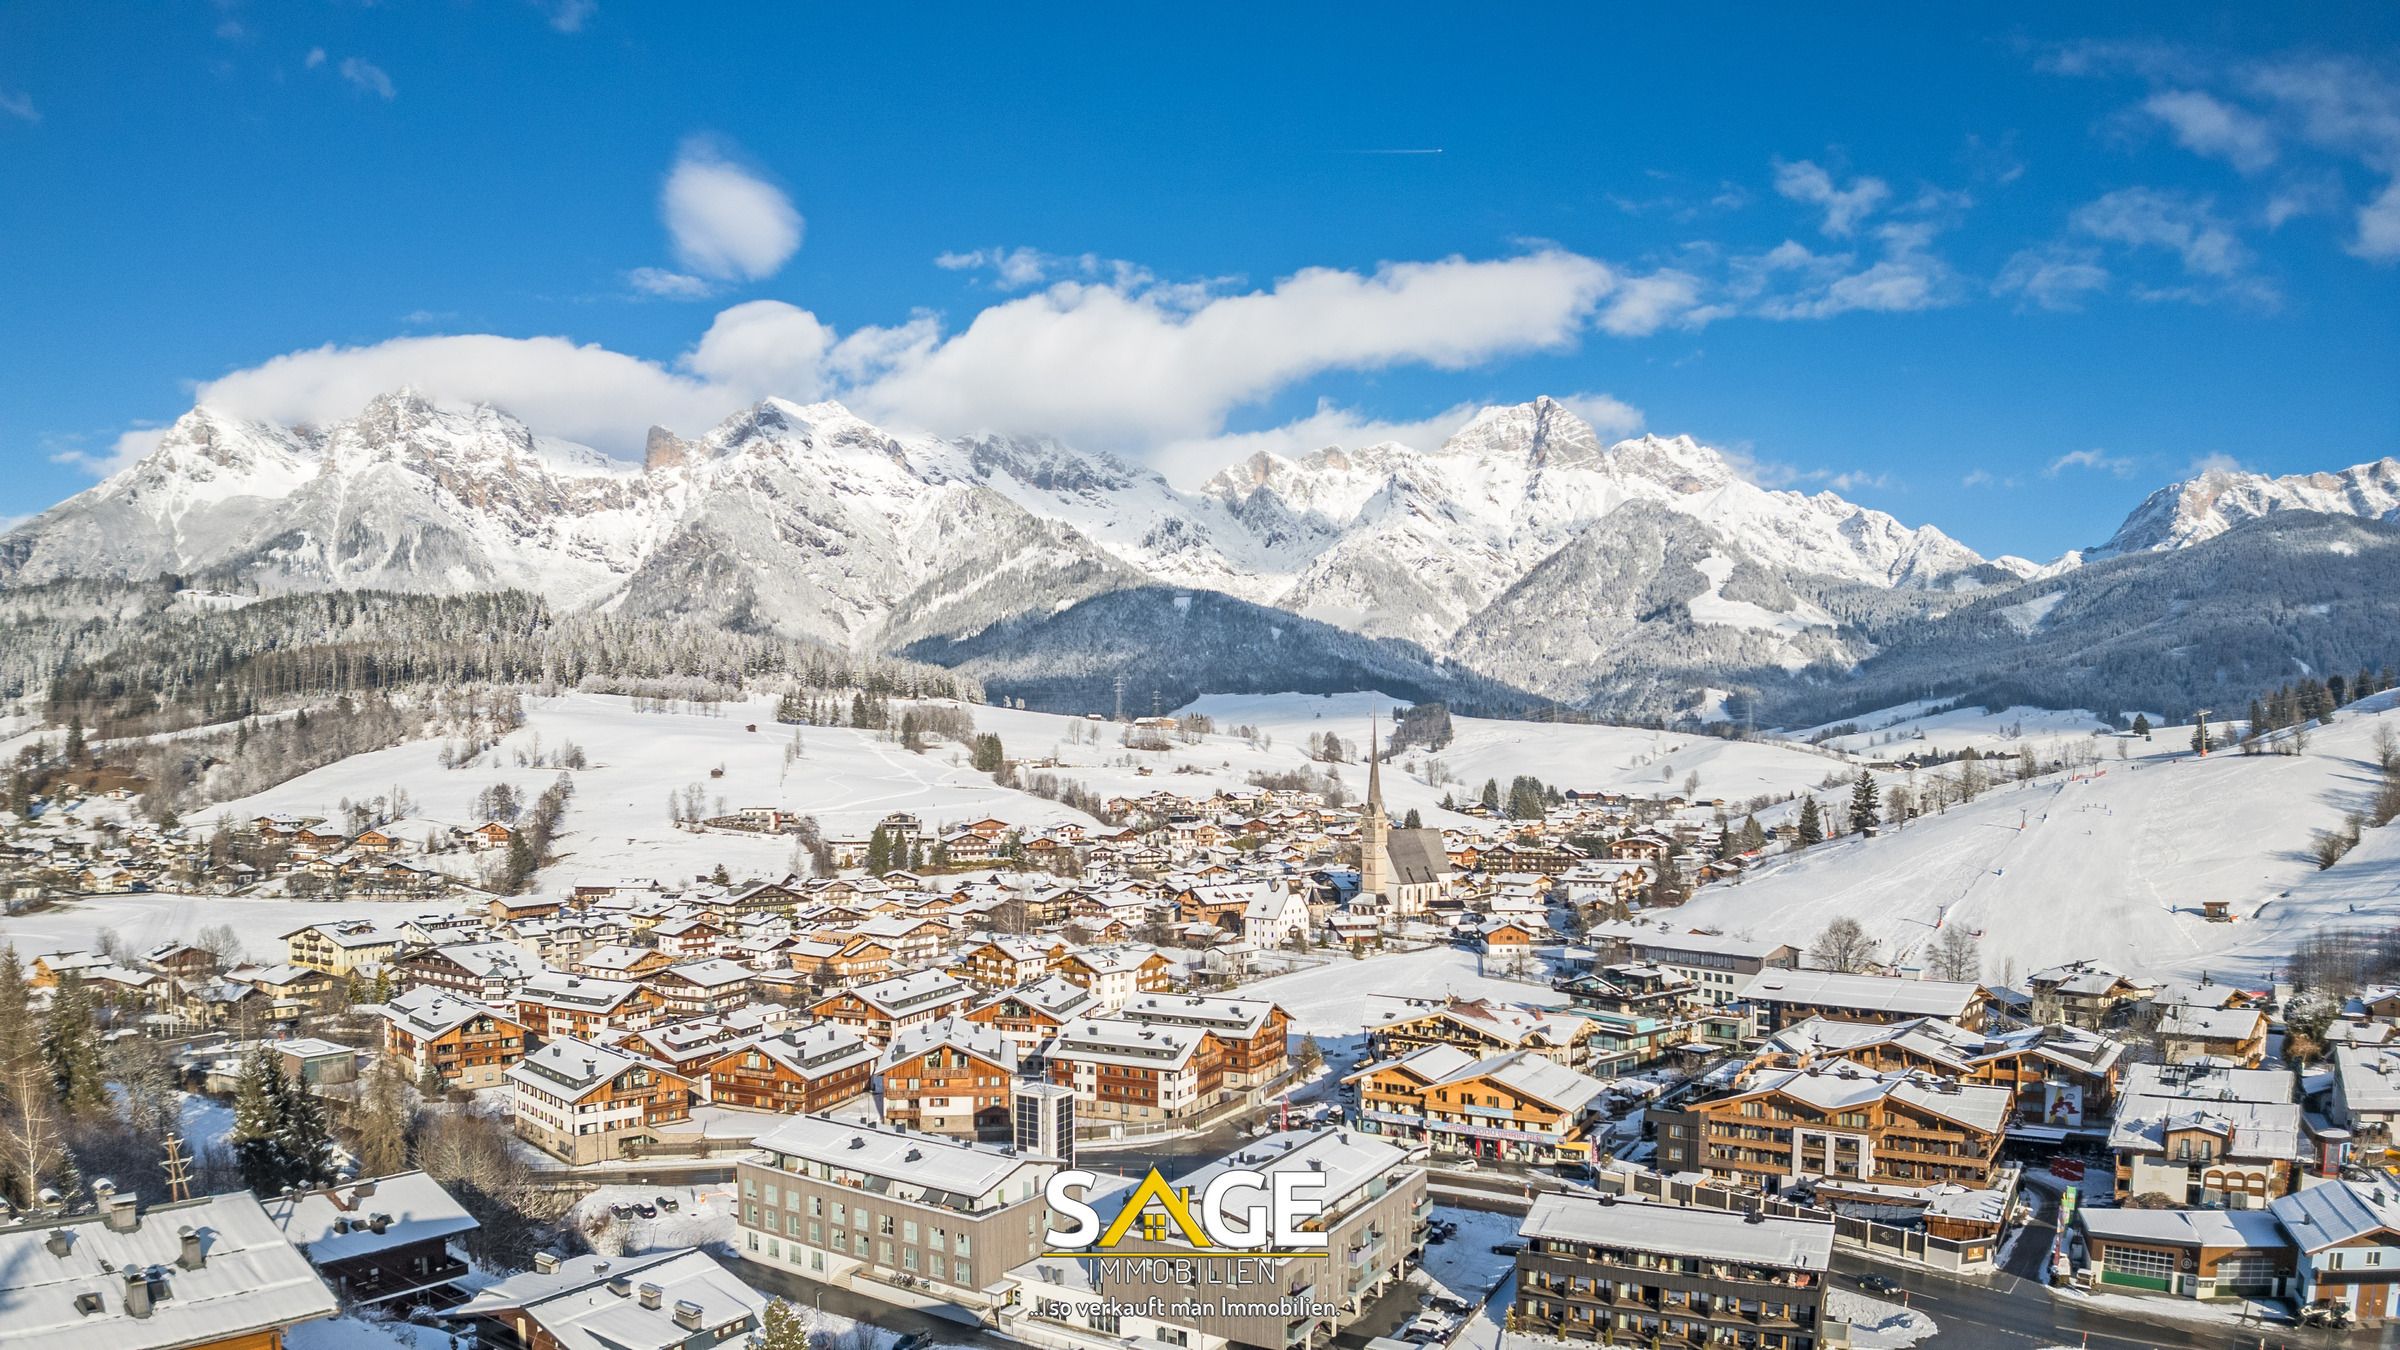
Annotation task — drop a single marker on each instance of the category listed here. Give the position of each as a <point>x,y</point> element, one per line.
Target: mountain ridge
<point>1523,549</point>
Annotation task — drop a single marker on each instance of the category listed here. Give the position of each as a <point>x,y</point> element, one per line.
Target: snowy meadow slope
<point>619,824</point>
<point>2112,864</point>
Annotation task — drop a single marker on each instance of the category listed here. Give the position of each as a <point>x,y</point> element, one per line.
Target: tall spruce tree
<point>256,1150</point>
<point>1812,823</point>
<point>1866,803</point>
<point>71,1046</point>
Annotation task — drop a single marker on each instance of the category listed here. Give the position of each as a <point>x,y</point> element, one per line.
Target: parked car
<point>667,1203</point>
<point>646,1211</point>
<point>621,1210</point>
<point>1508,1248</point>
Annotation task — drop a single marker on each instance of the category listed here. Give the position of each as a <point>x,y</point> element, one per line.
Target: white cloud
<point>2156,218</point>
<point>1804,181</point>
<point>127,449</point>
<point>582,392</point>
<point>1643,305</point>
<point>2379,225</point>
<point>314,59</point>
<point>669,285</point>
<point>2218,462</point>
<point>1791,281</point>
<point>368,77</point>
<point>1123,366</point>
<point>2055,276</point>
<point>2207,125</point>
<point>1115,369</point>
<point>2097,460</point>
<point>19,104</point>
<point>567,16</point>
<point>726,223</point>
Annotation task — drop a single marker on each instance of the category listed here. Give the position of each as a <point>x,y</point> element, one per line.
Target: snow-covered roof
<point>958,1167</point>
<point>1674,1230</point>
<point>342,1221</point>
<point>580,1305</point>
<point>1862,993</point>
<point>2211,1228</point>
<point>249,1279</point>
<point>2336,1212</point>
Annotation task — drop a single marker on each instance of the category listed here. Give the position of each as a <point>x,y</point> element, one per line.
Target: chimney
<point>193,1256</point>
<point>380,1223</point>
<point>687,1314</point>
<point>651,1294</point>
<point>137,1293</point>
<point>60,1242</point>
<point>622,1286</point>
<point>545,1263</point>
<point>124,1213</point>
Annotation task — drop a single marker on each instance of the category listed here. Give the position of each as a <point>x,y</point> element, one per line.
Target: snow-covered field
<point>619,823</point>
<point>1597,758</point>
<point>1346,996</point>
<point>1915,728</point>
<point>2112,864</point>
<point>144,921</point>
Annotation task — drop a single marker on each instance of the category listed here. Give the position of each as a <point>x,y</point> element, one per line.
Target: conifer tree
<point>303,1135</point>
<point>2141,725</point>
<point>255,1149</point>
<point>71,1047</point>
<point>1812,823</point>
<point>1866,803</point>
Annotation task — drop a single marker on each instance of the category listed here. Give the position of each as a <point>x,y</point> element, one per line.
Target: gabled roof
<point>251,1279</point>
<point>579,1306</point>
<point>2335,1212</point>
<point>976,1038</point>
<point>339,1222</point>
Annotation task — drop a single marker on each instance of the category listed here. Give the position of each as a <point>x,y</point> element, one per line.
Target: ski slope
<point>2112,865</point>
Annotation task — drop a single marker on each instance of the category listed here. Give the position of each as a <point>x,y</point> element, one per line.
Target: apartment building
<point>811,1069</point>
<point>879,1009</point>
<point>2058,1076</point>
<point>1615,1272</point>
<point>553,1006</point>
<point>844,1203</point>
<point>1376,1212</point>
<point>1516,1107</point>
<point>1836,1123</point>
<point>1254,1032</point>
<point>1130,1071</point>
<point>950,1077</point>
<point>466,1044</point>
<point>585,1103</point>
<point>1484,1027</point>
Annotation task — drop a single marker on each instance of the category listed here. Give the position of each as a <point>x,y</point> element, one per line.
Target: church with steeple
<point>1404,870</point>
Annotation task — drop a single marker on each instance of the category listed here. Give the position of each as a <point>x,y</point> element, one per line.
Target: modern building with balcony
<point>1376,1213</point>
<point>1615,1272</point>
<point>899,1215</point>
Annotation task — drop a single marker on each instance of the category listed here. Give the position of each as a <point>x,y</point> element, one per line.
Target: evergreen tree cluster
<point>280,1135</point>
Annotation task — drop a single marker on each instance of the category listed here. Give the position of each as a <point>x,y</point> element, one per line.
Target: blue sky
<point>2001,269</point>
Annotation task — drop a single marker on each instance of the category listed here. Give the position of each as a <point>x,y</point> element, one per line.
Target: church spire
<point>1374,772</point>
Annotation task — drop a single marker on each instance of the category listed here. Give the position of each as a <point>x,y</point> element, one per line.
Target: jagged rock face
<point>2201,508</point>
<point>1522,546</point>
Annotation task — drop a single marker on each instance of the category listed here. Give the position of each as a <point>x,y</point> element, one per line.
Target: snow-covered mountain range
<point>1523,547</point>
